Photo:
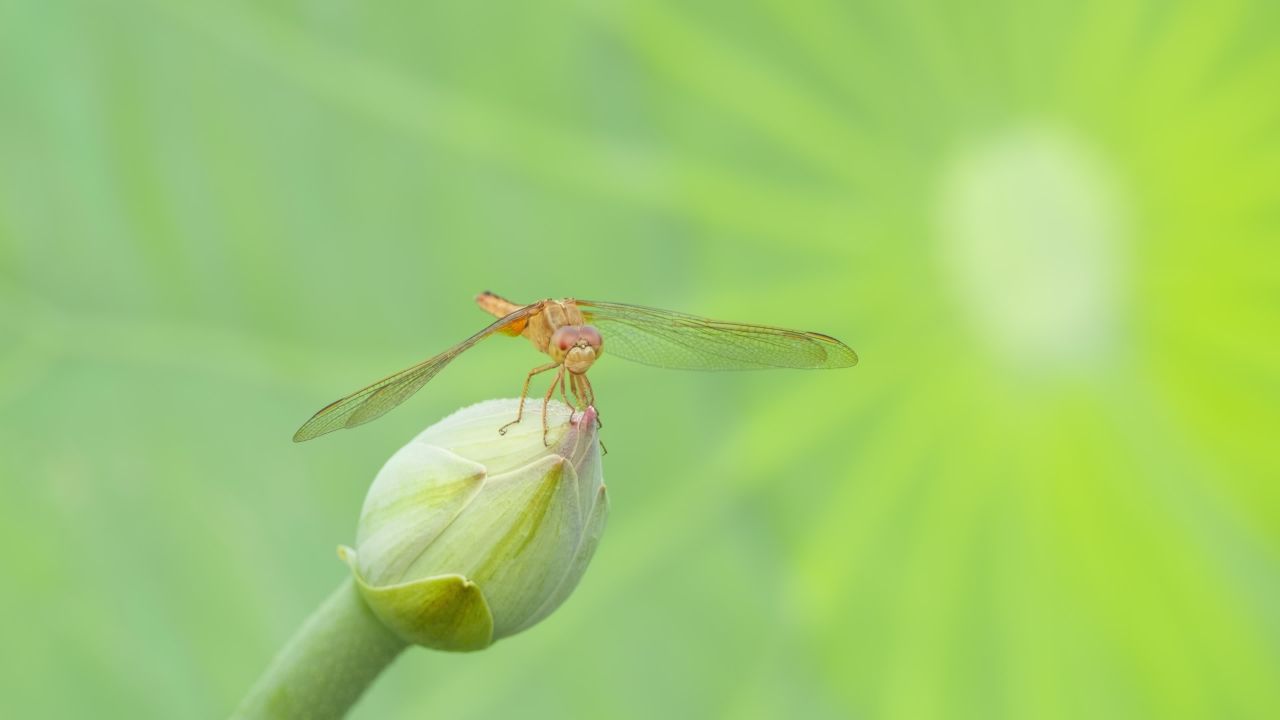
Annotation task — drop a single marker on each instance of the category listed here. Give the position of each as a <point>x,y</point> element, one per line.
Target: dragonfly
<point>574,333</point>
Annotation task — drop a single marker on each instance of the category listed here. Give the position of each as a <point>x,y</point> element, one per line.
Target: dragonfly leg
<point>524,392</point>
<point>565,397</point>
<point>572,381</point>
<point>591,399</point>
<point>575,387</point>
<point>585,395</point>
<point>546,401</point>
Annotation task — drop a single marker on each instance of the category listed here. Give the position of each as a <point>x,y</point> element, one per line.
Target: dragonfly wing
<point>372,402</point>
<point>676,340</point>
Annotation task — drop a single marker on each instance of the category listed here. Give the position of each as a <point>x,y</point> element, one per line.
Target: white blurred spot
<point>1031,227</point>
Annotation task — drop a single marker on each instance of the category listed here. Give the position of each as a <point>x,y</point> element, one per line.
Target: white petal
<point>413,499</point>
<point>472,433</point>
<point>591,533</point>
<point>516,540</point>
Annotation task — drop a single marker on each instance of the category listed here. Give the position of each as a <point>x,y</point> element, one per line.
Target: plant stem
<point>327,664</point>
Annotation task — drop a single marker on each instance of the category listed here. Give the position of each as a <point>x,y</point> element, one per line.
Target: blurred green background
<point>1050,230</point>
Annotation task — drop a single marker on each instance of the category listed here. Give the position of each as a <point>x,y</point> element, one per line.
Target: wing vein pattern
<point>676,340</point>
<point>373,401</point>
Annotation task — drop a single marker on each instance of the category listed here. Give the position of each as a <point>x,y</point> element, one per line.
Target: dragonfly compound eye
<point>591,336</point>
<point>564,338</point>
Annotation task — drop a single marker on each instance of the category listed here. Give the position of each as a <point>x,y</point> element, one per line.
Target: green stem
<point>328,663</point>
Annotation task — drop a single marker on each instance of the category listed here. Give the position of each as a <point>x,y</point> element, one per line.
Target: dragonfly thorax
<point>576,347</point>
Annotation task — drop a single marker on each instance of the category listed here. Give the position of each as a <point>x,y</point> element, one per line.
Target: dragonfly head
<point>576,346</point>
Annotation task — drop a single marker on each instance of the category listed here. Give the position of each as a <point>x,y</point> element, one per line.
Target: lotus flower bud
<point>468,535</point>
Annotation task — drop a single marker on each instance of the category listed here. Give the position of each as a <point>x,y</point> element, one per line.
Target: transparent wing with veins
<point>372,402</point>
<point>676,340</point>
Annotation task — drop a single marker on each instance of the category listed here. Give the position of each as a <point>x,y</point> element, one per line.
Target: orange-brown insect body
<point>557,328</point>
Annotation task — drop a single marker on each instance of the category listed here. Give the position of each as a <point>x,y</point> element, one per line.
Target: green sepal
<point>445,612</point>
